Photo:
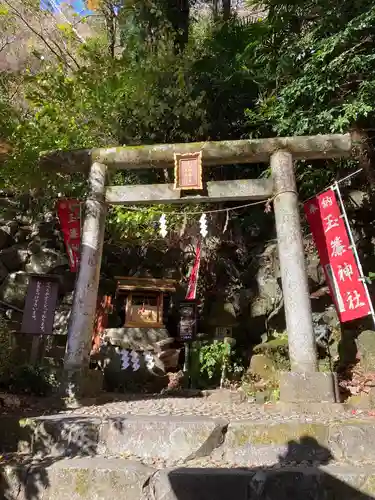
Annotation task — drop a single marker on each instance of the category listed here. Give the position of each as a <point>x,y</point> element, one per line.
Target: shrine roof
<point>129,283</point>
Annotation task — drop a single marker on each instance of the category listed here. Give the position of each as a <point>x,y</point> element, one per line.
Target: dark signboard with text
<point>40,305</point>
<point>187,327</point>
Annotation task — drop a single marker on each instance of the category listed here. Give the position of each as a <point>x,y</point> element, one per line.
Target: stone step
<point>171,439</point>
<point>105,479</point>
<point>265,443</point>
<point>177,439</point>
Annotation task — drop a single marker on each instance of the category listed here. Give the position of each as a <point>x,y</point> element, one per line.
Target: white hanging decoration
<point>149,360</point>
<point>203,225</point>
<point>135,360</point>
<point>163,226</point>
<point>125,361</point>
<point>226,222</point>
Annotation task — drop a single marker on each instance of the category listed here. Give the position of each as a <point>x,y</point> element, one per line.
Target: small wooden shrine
<point>143,300</point>
<point>132,330</point>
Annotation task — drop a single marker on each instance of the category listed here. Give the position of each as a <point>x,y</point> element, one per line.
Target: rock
<point>22,235</point>
<point>43,229</point>
<point>314,269</point>
<point>169,358</point>
<point>321,329</point>
<point>60,324</point>
<point>14,288</point>
<point>263,367</point>
<point>11,227</point>
<point>46,261</point>
<point>68,299</point>
<point>358,197</point>
<point>5,238</point>
<point>34,246</point>
<point>330,317</point>
<point>366,350</point>
<point>222,313</point>
<point>360,401</point>
<point>14,258</point>
<point>3,272</point>
<point>265,296</point>
<point>10,400</point>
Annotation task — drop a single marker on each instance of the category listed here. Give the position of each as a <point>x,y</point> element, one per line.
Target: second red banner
<point>337,257</point>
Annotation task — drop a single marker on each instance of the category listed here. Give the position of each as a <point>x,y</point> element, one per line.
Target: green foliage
<point>277,350</point>
<point>27,379</point>
<point>5,348</point>
<point>315,62</point>
<point>303,69</point>
<point>212,356</point>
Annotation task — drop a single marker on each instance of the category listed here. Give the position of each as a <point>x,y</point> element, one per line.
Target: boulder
<point>43,229</point>
<point>60,324</point>
<point>314,269</point>
<point>366,350</point>
<point>5,238</point>
<point>3,272</point>
<point>263,367</point>
<point>14,258</point>
<point>46,261</point>
<point>11,227</point>
<point>14,288</point>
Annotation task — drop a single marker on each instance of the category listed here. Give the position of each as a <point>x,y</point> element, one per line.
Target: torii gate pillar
<point>303,383</point>
<point>78,379</point>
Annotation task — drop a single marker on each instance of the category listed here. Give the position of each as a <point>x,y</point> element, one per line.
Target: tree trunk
<point>226,9</point>
<point>215,9</point>
<point>178,15</point>
<point>363,152</point>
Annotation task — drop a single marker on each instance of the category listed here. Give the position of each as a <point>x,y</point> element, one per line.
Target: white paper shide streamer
<point>203,225</point>
<point>163,226</point>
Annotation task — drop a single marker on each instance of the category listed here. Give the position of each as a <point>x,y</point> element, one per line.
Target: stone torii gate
<point>304,382</point>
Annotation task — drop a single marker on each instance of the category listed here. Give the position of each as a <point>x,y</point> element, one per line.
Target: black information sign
<point>40,305</point>
<point>187,327</point>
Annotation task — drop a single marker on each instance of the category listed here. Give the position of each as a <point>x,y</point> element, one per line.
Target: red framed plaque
<point>188,171</point>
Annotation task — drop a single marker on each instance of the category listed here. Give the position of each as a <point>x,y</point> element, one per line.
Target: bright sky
<point>78,5</point>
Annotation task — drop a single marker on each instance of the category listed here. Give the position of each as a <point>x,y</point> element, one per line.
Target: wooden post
<point>82,316</point>
<point>303,383</point>
<point>300,330</point>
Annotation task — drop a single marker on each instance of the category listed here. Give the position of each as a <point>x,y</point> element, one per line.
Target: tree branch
<point>40,36</point>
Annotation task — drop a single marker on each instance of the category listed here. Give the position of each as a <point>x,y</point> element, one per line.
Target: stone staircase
<point>63,457</point>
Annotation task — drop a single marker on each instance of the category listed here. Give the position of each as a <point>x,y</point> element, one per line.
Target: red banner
<point>69,213</point>
<point>337,257</point>
<point>193,279</point>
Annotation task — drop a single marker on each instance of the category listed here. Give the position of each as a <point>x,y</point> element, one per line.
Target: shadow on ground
<point>299,474</point>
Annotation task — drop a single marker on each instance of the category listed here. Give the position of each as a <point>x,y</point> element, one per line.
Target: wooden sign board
<point>187,326</point>
<point>188,171</point>
<point>40,305</point>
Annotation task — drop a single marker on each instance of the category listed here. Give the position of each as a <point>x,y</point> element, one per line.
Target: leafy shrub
<point>27,379</point>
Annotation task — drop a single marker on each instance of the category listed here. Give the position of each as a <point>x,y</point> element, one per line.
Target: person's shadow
<point>305,472</point>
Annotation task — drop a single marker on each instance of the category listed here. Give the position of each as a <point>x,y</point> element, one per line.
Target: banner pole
<point>336,188</point>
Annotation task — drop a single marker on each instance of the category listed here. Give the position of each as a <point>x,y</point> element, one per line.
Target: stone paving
<point>219,404</point>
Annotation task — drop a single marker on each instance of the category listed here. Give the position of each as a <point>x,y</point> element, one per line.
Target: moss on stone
<point>82,482</point>
<point>369,486</point>
<point>277,434</point>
